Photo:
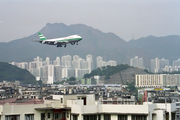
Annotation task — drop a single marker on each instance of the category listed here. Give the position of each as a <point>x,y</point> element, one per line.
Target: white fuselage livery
<point>60,41</point>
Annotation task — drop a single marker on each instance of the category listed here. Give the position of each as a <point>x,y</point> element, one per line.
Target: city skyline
<point>135,62</point>
<point>50,71</point>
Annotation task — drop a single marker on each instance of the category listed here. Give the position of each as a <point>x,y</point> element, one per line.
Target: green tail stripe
<point>41,36</point>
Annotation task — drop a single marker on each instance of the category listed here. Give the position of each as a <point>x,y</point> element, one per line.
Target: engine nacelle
<point>43,42</point>
<point>72,43</point>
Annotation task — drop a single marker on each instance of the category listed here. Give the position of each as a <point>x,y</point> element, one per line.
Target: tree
<point>62,82</point>
<point>87,76</point>
<point>131,87</point>
<point>39,82</point>
<point>72,79</point>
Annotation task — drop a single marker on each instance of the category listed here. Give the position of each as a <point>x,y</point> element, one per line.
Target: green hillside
<point>124,76</point>
<point>117,74</point>
<point>11,73</point>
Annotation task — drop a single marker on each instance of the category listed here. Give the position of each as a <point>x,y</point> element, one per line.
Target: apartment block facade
<point>157,80</point>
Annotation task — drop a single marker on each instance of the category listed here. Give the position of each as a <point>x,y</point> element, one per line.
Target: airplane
<point>59,42</point>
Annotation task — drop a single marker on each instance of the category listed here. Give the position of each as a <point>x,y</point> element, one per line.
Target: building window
<point>57,116</point>
<point>75,117</point>
<point>107,117</point>
<point>99,117</point>
<point>64,115</point>
<point>12,117</point>
<point>49,115</point>
<point>42,116</point>
<point>139,117</point>
<point>29,116</point>
<point>90,117</point>
<point>61,100</point>
<point>84,99</point>
<point>67,115</point>
<point>122,117</point>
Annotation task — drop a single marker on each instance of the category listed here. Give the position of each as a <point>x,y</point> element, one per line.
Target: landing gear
<point>76,43</point>
<point>72,43</point>
<point>58,45</point>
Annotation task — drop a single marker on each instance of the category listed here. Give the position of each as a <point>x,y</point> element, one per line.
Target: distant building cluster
<point>157,65</point>
<point>101,63</point>
<point>54,71</point>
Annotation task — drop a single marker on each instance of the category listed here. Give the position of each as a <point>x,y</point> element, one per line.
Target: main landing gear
<point>59,45</point>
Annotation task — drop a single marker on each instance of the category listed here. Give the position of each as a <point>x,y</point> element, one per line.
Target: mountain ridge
<point>94,42</point>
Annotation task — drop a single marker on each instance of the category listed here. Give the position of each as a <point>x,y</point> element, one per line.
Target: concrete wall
<point>159,115</point>
<point>124,109</point>
<point>21,110</point>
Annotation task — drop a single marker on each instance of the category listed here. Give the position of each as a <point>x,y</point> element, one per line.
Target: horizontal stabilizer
<point>35,40</point>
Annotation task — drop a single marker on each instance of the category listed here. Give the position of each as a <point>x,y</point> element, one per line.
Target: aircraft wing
<point>62,42</point>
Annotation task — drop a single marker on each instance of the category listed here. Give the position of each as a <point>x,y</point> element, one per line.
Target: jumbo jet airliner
<point>59,42</point>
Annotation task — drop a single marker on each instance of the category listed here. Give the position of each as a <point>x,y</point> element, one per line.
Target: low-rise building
<point>84,107</point>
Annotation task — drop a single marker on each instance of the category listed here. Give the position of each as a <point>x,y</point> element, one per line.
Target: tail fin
<point>42,37</point>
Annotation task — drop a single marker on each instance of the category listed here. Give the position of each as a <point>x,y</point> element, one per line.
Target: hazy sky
<point>126,18</point>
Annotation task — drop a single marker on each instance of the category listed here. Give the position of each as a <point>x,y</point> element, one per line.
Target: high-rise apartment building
<point>157,65</point>
<point>176,63</point>
<point>136,62</point>
<point>112,63</point>
<point>48,62</point>
<point>57,73</point>
<point>99,59</point>
<point>75,57</point>
<point>67,72</point>
<point>171,68</point>
<point>89,59</point>
<point>66,61</point>
<point>57,61</point>
<point>50,74</point>
<point>101,63</point>
<point>22,65</point>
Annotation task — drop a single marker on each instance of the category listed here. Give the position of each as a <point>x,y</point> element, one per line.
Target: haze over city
<point>122,60</point>
<point>127,19</point>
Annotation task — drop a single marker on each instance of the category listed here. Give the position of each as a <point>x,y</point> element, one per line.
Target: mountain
<point>95,42</point>
<point>11,73</point>
<point>167,47</point>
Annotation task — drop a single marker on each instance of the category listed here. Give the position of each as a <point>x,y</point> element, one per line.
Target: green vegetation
<point>62,82</point>
<point>87,76</point>
<point>107,71</point>
<point>131,87</point>
<point>71,79</point>
<point>11,73</point>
